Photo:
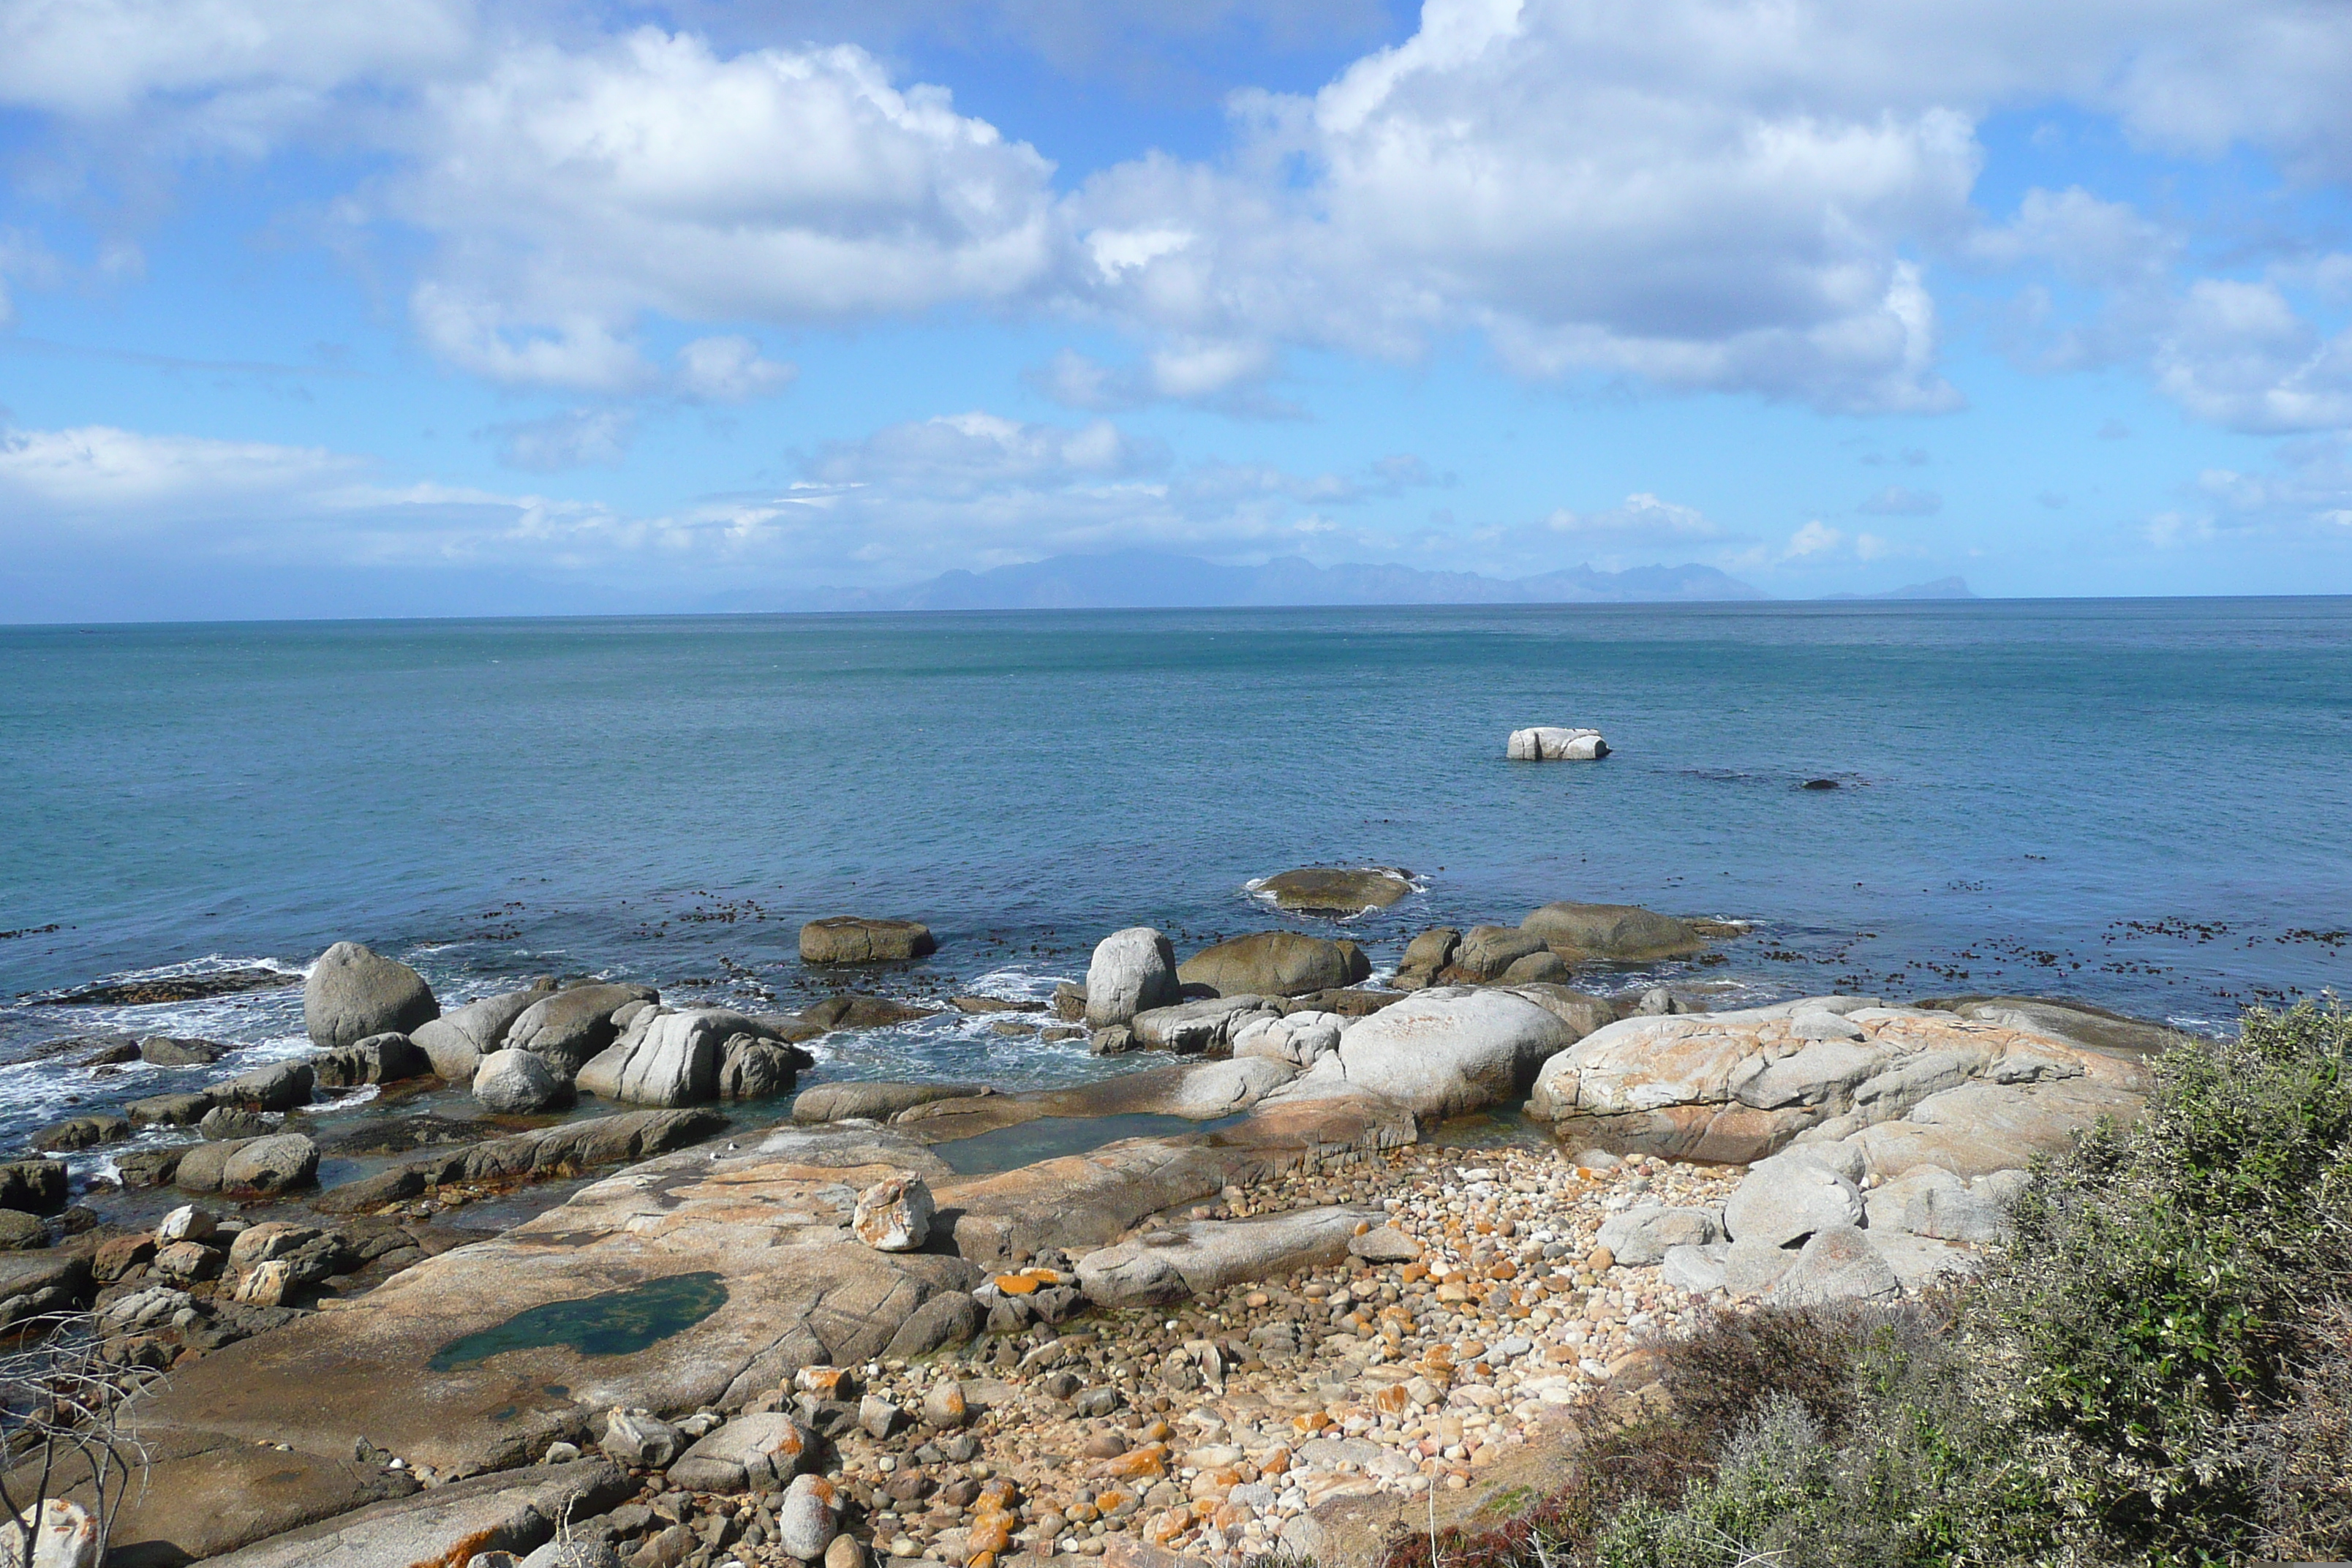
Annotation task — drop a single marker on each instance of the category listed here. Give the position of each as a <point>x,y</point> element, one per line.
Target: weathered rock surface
<point>1207,1255</point>
<point>753,1069</point>
<point>172,1051</point>
<point>950,1318</point>
<point>853,1012</point>
<point>35,1284</point>
<point>1788,1198</point>
<point>1276,964</point>
<point>1445,1051</point>
<point>663,1058</point>
<point>1299,1039</point>
<point>1837,1264</point>
<point>1919,1087</point>
<point>756,1452</point>
<point>2076,1023</point>
<point>893,1215</point>
<point>278,1164</point>
<point>1645,1234</point>
<point>569,1026</point>
<point>1426,956</point>
<point>1486,952</point>
<point>1206,1026</point>
<point>1335,889</point>
<point>379,1059</point>
<point>352,992</point>
<point>516,1082</point>
<point>449,1524</point>
<point>1552,744</point>
<point>854,938</point>
<point>81,1133</point>
<point>875,1101</point>
<point>769,1222</point>
<point>456,1042</point>
<point>1615,933</point>
<point>1132,970</point>
<point>280,1086</point>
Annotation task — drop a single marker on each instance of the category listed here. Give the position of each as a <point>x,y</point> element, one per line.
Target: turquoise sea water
<point>2143,803</point>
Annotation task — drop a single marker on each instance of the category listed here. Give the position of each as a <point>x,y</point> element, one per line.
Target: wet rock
<point>754,1069</point>
<point>1335,890</point>
<point>873,1101</point>
<point>280,1086</point>
<point>1276,964</point>
<point>171,1051</point>
<point>266,1165</point>
<point>854,938</point>
<point>35,1283</point>
<point>1550,744</point>
<point>379,1059</point>
<point>893,1215</point>
<point>82,1132</point>
<point>369,1193</point>
<point>456,1042</point>
<point>223,1123</point>
<point>514,1082</point>
<point>21,1232</point>
<point>352,992</point>
<point>1069,1003</point>
<point>33,1186</point>
<point>1132,970</point>
<point>1615,933</point>
<point>169,1110</point>
<point>853,1012</point>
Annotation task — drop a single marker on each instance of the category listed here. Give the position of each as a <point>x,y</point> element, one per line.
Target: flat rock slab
<point>768,1225</point>
<point>1208,1254</point>
<point>447,1526</point>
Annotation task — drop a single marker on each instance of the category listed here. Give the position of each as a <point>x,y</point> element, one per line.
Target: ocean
<point>2144,803</point>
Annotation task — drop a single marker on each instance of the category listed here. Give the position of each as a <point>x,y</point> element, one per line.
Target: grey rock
<point>274,1164</point>
<point>223,1123</point>
<point>456,1042</point>
<point>880,1416</point>
<point>82,1132</point>
<point>1208,1254</point>
<point>950,1318</point>
<point>1696,1268</point>
<point>855,938</point>
<point>1546,968</point>
<point>279,1086</point>
<point>1486,952</point>
<point>33,1186</point>
<point>171,1051</point>
<point>569,1026</point>
<point>1449,1050</point>
<point>1383,1244</point>
<point>666,1059</point>
<point>579,1552</point>
<point>1789,1196</point>
<point>515,1082</point>
<point>1116,1041</point>
<point>758,1452</point>
<point>1190,1028</point>
<point>1132,970</point>
<point>37,1284</point>
<point>169,1110</point>
<point>1837,1264</point>
<point>503,1512</point>
<point>1751,1265</point>
<point>1555,744</point>
<point>352,992</point>
<point>640,1441</point>
<point>1641,1235</point>
<point>753,1069</point>
<point>21,1232</point>
<point>873,1101</point>
<point>1276,964</point>
<point>1300,1038</point>
<point>379,1059</point>
<point>805,1520</point>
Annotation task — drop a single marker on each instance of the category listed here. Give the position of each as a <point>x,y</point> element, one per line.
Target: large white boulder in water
<point>1548,743</point>
<point>663,1058</point>
<point>456,1041</point>
<point>1132,971</point>
<point>517,1083</point>
<point>352,992</point>
<point>1452,1049</point>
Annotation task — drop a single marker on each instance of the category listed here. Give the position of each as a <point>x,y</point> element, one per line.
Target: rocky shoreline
<point>727,1336</point>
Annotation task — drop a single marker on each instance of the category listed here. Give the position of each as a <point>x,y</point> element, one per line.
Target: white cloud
<point>1642,520</point>
<point>1815,538</point>
<point>576,438</point>
<point>98,470</point>
<point>730,369</point>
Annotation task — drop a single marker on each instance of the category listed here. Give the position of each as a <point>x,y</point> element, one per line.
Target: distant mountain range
<point>1942,588</point>
<point>1144,579</point>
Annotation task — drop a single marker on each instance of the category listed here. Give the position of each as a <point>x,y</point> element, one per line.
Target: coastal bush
<point>2156,1370</point>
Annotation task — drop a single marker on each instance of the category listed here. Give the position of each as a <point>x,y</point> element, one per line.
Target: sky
<point>460,307</point>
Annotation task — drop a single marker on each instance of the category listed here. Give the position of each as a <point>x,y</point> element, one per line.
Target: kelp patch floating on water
<point>613,1322</point>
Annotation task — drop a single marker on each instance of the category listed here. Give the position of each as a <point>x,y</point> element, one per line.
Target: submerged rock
<point>1335,890</point>
<point>352,992</point>
<point>856,938</point>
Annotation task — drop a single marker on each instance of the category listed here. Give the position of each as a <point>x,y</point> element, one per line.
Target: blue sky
<point>431,307</point>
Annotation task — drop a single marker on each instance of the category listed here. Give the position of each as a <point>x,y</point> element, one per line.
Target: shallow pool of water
<point>611,1323</point>
<point>1051,1137</point>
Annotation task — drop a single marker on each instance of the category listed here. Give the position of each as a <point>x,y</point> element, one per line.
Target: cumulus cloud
<point>1227,376</point>
<point>729,369</point>
<point>120,476</point>
<point>1643,519</point>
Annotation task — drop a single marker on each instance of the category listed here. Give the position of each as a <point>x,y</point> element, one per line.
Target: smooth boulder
<point>856,939</point>
<point>1486,952</point>
<point>455,1042</point>
<point>515,1082</point>
<point>663,1058</point>
<point>1334,890</point>
<point>1790,1196</point>
<point>1555,744</point>
<point>893,1215</point>
<point>1452,1049</point>
<point>1132,970</point>
<point>278,1164</point>
<point>280,1086</point>
<point>1645,1234</point>
<point>569,1026</point>
<point>352,992</point>
<point>1837,1264</point>
<point>1615,933</point>
<point>1276,964</point>
<point>379,1059</point>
